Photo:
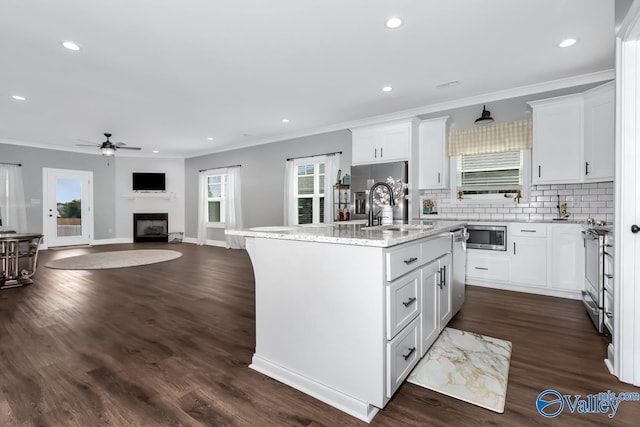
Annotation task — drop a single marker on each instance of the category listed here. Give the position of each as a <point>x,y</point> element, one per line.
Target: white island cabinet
<point>339,309</point>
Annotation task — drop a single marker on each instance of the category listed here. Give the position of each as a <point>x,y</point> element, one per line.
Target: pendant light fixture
<point>485,118</point>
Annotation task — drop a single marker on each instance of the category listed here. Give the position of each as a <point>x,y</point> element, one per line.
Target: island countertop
<point>353,234</point>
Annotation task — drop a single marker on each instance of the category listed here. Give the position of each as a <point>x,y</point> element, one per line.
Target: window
<point>216,198</point>
<point>491,176</point>
<point>309,192</point>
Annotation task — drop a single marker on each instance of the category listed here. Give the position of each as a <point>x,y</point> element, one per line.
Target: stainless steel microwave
<point>488,237</point>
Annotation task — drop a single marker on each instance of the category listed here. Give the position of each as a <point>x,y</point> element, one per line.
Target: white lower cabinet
<point>541,258</point>
<point>529,261</point>
<point>402,355</point>
<point>444,289</point>
<point>567,262</point>
<point>418,302</point>
<point>430,275</point>
<point>403,302</point>
<point>436,300</point>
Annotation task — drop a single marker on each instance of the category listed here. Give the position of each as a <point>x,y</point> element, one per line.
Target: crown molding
<point>600,76</point>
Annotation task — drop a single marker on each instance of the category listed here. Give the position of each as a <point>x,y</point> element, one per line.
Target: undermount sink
<point>273,228</point>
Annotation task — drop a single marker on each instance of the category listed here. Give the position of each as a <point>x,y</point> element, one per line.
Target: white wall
<point>127,202</point>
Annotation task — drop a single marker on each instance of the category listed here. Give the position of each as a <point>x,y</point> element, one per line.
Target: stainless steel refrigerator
<point>364,176</point>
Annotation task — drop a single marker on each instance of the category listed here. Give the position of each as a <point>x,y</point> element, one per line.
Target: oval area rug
<point>114,259</point>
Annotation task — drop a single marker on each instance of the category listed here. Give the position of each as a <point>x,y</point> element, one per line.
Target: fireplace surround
<point>150,227</point>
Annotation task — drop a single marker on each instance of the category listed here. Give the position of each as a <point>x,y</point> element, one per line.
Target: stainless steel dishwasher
<point>459,253</point>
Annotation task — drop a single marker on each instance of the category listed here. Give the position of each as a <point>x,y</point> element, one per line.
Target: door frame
<point>47,173</point>
<point>625,363</point>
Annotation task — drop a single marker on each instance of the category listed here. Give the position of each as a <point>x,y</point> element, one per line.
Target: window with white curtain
<point>216,199</point>
<point>309,192</point>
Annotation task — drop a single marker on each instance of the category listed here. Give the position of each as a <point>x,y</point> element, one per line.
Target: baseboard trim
<point>527,289</point>
<point>356,408</point>
<point>219,243</point>
<point>114,241</point>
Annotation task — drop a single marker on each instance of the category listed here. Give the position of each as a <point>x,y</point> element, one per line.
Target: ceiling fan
<point>108,148</point>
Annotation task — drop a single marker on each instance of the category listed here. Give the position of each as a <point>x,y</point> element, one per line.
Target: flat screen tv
<point>143,181</point>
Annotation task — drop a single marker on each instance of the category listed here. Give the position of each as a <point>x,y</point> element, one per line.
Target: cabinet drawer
<point>529,229</point>
<point>403,302</point>
<point>436,247</point>
<point>402,260</point>
<point>402,356</point>
<point>485,268</point>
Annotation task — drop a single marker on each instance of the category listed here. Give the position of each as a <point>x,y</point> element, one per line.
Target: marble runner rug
<point>470,367</point>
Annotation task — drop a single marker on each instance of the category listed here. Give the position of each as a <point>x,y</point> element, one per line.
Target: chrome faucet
<point>373,187</point>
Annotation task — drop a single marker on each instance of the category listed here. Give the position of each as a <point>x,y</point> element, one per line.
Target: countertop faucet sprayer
<point>371,191</point>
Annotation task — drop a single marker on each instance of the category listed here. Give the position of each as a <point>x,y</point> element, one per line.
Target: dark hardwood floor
<point>169,344</point>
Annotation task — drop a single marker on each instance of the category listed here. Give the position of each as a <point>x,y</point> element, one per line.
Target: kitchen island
<point>344,312</point>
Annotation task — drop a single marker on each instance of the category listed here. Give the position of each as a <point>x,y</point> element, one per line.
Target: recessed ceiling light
<point>156,151</point>
<point>70,45</point>
<point>394,22</point>
<point>387,89</point>
<point>19,98</point>
<point>567,43</point>
<point>210,139</point>
<point>285,120</point>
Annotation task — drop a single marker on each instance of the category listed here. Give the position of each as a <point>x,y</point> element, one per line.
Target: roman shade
<point>487,139</point>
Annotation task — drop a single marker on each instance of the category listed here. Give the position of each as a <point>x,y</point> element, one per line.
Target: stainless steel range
<point>598,293</point>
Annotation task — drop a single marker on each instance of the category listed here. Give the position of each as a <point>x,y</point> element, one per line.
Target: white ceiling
<point>166,75</point>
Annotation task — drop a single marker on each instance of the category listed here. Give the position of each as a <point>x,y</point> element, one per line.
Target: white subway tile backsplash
<point>594,200</point>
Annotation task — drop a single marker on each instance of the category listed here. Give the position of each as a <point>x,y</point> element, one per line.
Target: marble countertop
<point>354,234</point>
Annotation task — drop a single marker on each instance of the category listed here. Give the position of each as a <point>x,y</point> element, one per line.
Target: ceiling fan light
<point>108,151</point>
<point>485,118</point>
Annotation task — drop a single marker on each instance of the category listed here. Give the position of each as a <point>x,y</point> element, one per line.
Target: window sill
<point>482,201</point>
<point>216,225</point>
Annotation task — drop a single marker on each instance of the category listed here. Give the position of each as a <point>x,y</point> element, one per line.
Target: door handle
<point>635,228</point>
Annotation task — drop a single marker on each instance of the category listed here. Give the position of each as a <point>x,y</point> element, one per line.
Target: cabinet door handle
<point>481,268</point>
<point>408,355</point>
<point>408,303</point>
<point>514,248</point>
<point>528,231</point>
<point>609,276</point>
<point>380,152</point>
<point>410,260</point>
<point>375,153</point>
<point>586,168</point>
<point>539,170</point>
<point>444,275</point>
<point>438,177</point>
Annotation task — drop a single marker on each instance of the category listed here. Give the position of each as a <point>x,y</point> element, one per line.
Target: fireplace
<point>150,227</point>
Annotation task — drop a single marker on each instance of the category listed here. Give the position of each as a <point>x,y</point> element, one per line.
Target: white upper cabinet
<point>599,135</point>
<point>381,143</point>
<point>573,137</point>
<point>433,159</point>
<point>557,140</point>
